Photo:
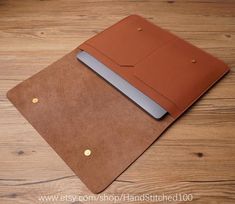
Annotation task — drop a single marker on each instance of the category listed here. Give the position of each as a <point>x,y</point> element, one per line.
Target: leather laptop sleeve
<point>93,127</point>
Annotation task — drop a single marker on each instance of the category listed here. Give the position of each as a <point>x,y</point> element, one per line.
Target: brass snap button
<point>35,100</point>
<point>87,152</point>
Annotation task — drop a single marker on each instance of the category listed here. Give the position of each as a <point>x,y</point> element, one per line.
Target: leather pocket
<point>180,72</point>
<point>129,41</point>
<point>167,69</point>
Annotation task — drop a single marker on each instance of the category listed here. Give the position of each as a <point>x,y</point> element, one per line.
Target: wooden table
<point>195,156</point>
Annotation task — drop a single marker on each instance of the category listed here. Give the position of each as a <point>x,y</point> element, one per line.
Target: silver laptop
<point>122,85</point>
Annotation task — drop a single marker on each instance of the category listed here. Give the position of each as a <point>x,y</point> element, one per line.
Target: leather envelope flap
<point>78,111</point>
<point>166,68</point>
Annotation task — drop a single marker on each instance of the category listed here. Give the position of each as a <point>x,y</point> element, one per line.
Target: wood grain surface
<point>195,156</point>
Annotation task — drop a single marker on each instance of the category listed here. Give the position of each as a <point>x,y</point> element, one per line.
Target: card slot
<point>180,72</point>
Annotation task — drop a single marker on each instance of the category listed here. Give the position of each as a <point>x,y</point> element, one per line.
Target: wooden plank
<point>196,155</point>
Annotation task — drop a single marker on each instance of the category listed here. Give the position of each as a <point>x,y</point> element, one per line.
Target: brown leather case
<point>77,110</point>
